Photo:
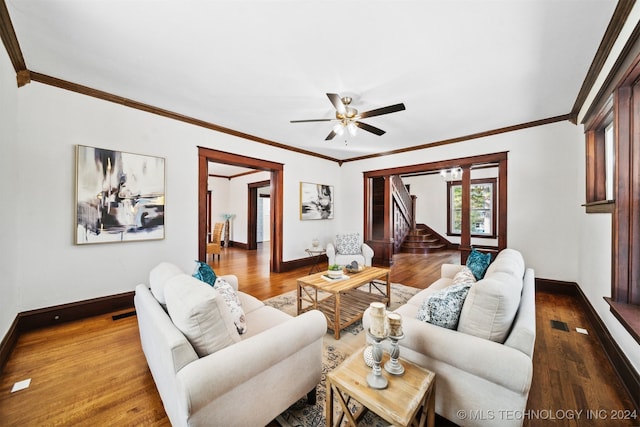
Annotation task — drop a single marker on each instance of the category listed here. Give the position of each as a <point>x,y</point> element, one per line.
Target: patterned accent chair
<point>347,248</point>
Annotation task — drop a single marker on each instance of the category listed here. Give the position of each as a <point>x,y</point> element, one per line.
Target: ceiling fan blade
<point>337,102</point>
<point>384,110</point>
<point>370,128</point>
<point>331,135</point>
<point>311,120</point>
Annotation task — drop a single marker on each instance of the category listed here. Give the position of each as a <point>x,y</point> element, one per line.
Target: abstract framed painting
<point>316,201</point>
<point>120,197</point>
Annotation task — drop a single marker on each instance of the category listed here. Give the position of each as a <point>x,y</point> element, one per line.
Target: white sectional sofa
<point>484,368</point>
<point>251,379</point>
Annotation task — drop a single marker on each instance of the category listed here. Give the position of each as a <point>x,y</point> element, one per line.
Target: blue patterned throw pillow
<point>478,263</point>
<point>205,273</point>
<point>443,308</point>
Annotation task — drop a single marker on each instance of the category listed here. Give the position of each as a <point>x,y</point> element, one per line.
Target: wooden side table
<point>408,400</point>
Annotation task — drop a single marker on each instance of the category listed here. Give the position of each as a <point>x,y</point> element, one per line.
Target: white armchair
<point>348,248</point>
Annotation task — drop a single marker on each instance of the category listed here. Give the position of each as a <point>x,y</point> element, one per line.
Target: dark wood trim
<point>302,262</point>
<point>494,207</point>
<point>230,177</point>
<point>206,155</point>
<point>84,90</point>
<point>74,87</point>
<point>252,212</point>
<point>238,245</point>
<point>606,206</point>
<point>621,364</point>
<point>252,217</point>
<point>441,164</point>
<point>620,15</point>
<point>465,226</point>
<point>630,51</point>
<point>628,315</point>
<point>277,222</point>
<point>557,287</point>
<point>10,40</point>
<point>203,188</point>
<point>49,316</point>
<point>8,343</point>
<point>503,212</point>
<point>562,118</point>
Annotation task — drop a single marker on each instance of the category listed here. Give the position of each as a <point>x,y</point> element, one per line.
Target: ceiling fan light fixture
<point>349,117</point>
<point>352,128</point>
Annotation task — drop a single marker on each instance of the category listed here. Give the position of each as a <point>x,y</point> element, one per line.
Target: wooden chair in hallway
<point>215,246</point>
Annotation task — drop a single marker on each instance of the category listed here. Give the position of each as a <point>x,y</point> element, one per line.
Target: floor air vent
<point>556,324</point>
<point>123,315</point>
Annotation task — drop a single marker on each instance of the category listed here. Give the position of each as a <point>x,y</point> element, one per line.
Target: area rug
<point>335,351</point>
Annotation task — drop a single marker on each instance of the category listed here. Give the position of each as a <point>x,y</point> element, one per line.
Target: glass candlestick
<point>393,366</point>
<point>375,379</point>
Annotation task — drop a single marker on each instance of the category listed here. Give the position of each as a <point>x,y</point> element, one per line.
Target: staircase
<point>422,240</point>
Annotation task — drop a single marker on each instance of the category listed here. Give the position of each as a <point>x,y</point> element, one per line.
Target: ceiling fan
<point>349,118</point>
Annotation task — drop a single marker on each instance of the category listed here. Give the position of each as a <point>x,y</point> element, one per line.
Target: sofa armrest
<point>483,358</point>
<point>211,376</point>
<point>232,279</point>
<point>450,270</point>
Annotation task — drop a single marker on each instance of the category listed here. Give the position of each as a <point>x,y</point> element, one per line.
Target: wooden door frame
<point>499,159</point>
<point>206,155</point>
<point>252,213</point>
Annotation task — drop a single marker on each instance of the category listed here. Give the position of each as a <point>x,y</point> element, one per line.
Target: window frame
<point>596,200</point>
<point>622,106</point>
<point>494,205</point>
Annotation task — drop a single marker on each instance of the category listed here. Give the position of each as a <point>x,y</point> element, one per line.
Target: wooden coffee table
<point>409,399</point>
<point>344,303</point>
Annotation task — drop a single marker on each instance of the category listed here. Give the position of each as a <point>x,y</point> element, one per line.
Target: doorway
<point>206,155</point>
<point>260,219</point>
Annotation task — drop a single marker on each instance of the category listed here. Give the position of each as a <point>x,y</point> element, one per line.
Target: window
<point>613,183</point>
<point>482,209</point>
<point>609,161</point>
<point>600,167</point>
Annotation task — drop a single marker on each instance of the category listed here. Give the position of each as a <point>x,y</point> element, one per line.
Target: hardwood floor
<point>93,371</point>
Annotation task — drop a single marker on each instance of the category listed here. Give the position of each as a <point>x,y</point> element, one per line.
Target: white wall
<point>9,170</point>
<point>219,198</point>
<point>239,204</point>
<point>43,267</point>
<point>544,201</point>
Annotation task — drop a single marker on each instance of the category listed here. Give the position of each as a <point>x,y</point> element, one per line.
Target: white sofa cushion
<point>158,277</point>
<point>508,261</point>
<point>491,306</point>
<point>200,313</point>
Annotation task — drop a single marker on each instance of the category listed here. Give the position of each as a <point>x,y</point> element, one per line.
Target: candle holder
<point>393,366</point>
<point>375,379</point>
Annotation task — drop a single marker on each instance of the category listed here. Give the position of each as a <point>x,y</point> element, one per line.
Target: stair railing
<point>403,211</point>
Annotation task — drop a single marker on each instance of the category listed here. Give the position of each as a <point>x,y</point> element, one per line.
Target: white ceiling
<point>460,67</point>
